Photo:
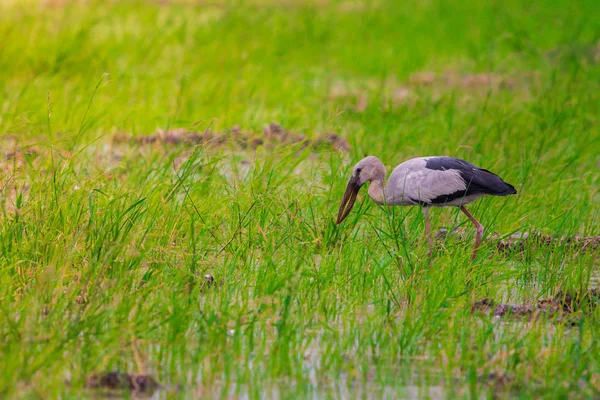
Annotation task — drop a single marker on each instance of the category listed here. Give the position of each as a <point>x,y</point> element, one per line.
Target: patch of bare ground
<point>13,157</point>
<point>357,96</point>
<point>484,306</point>
<point>137,384</point>
<point>519,241</point>
<point>272,135</point>
<point>562,307</point>
<point>499,380</point>
<point>454,80</point>
<point>475,84</point>
<point>588,52</point>
<point>472,83</point>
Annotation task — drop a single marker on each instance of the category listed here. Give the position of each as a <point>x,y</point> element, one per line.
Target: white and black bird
<point>426,182</point>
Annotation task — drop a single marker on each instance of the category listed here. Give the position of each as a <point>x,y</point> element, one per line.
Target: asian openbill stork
<point>426,182</point>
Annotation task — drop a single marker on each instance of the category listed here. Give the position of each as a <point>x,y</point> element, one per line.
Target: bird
<point>434,181</point>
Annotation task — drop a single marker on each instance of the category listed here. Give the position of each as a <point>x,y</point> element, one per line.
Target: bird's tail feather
<point>510,189</point>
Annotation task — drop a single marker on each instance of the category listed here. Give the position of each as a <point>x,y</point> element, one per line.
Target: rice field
<point>172,172</point>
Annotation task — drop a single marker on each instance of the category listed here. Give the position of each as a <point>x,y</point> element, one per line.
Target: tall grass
<point>105,246</point>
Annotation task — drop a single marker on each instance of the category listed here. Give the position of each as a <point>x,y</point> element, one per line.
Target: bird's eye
<point>358,171</point>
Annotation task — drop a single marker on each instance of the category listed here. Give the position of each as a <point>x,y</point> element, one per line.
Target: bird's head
<point>366,170</point>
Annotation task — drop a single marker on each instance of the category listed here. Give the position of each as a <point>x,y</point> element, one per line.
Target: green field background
<point>216,266</point>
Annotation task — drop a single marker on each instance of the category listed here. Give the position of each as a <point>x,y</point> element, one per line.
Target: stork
<point>427,182</point>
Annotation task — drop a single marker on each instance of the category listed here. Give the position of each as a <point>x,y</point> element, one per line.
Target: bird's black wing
<point>478,180</point>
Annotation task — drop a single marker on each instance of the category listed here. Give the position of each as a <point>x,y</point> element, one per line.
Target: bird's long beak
<point>348,199</point>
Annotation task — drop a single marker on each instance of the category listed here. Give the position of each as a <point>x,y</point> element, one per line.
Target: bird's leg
<point>479,227</point>
<point>428,229</point>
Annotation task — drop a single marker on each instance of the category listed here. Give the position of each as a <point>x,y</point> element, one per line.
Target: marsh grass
<point>106,246</point>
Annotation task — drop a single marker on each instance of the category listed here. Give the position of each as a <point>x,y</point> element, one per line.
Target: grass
<point>105,245</point>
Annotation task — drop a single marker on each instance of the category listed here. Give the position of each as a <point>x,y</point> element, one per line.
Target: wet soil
<point>519,241</point>
<point>561,306</point>
<point>498,380</point>
<point>122,381</point>
<point>272,135</point>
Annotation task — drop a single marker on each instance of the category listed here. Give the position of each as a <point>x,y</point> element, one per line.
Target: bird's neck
<point>376,191</point>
